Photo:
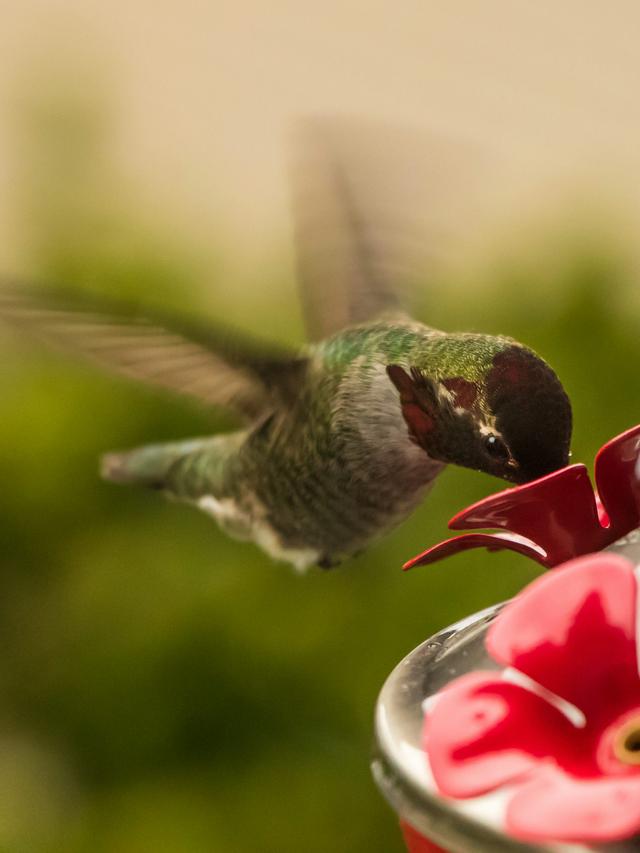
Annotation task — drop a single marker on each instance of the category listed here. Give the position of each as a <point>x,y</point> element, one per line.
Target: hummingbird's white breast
<point>252,525</point>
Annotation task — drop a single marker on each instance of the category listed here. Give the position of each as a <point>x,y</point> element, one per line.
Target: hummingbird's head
<point>509,417</point>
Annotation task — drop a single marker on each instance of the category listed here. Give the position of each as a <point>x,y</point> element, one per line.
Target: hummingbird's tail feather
<point>113,467</point>
<point>147,466</point>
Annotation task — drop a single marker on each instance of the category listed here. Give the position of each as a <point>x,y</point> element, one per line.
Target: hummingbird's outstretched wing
<point>212,365</point>
<point>341,271</point>
<point>373,207</point>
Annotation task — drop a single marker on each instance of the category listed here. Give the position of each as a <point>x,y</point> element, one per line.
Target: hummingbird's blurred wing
<point>211,365</point>
<point>341,270</point>
<point>374,206</point>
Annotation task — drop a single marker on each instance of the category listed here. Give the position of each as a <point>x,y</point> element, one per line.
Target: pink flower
<point>558,516</point>
<point>560,727</point>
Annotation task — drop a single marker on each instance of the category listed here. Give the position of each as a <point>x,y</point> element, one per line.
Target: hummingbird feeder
<point>518,728</point>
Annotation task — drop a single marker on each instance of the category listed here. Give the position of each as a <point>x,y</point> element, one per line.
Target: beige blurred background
<point>201,97</point>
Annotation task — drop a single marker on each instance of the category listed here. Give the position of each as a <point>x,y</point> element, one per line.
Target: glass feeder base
<point>417,843</point>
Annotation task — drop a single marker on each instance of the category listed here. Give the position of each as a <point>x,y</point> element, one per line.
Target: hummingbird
<point>341,439</point>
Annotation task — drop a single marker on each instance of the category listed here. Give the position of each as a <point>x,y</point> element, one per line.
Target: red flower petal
<point>484,732</point>
<point>490,541</point>
<point>556,806</point>
<point>573,631</point>
<point>555,507</point>
<point>617,481</point>
<point>550,519</point>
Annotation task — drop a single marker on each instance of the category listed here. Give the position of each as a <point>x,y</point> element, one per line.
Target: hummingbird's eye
<point>496,447</point>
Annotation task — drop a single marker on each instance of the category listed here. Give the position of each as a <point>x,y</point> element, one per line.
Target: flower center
<point>626,745</point>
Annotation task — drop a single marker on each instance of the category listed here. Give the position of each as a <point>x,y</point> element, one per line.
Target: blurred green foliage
<point>163,688</point>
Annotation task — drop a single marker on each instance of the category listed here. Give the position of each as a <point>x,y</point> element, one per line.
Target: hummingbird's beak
<point>512,469</point>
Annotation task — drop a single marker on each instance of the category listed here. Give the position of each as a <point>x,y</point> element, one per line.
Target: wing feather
<point>211,365</point>
<point>374,207</point>
<point>342,274</point>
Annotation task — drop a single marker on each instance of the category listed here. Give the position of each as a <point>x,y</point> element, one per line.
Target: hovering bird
<point>342,439</point>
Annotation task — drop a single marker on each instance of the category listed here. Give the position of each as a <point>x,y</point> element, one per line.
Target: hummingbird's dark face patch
<point>465,393</point>
<point>516,426</point>
<point>532,412</point>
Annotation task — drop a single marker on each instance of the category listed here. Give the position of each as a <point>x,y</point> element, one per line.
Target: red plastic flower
<point>560,727</point>
<point>558,516</point>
